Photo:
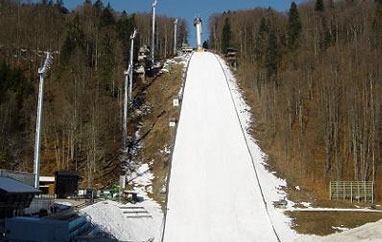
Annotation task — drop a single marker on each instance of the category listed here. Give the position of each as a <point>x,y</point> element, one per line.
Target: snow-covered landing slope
<point>213,191</point>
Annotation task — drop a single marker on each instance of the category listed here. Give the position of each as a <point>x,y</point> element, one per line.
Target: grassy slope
<point>159,98</point>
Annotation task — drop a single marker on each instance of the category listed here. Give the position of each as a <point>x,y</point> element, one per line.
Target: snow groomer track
<point>214,193</point>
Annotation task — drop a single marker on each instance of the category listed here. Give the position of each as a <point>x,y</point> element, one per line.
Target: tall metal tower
<point>128,93</point>
<point>198,29</point>
<point>175,35</point>
<point>41,72</point>
<point>155,3</point>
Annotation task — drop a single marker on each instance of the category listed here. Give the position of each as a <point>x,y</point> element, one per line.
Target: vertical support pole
<point>351,192</point>
<point>37,141</point>
<point>41,72</point>
<point>124,125</point>
<point>330,190</point>
<point>132,37</point>
<point>359,195</point>
<point>365,191</point>
<point>175,35</point>
<point>372,193</point>
<point>153,33</point>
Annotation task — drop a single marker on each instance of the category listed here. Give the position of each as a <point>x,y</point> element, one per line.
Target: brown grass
<point>322,223</point>
<point>159,97</point>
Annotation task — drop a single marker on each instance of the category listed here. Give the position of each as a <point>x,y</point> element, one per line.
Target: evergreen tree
<point>261,42</point>
<point>272,57</point>
<point>98,5</point>
<point>61,7</point>
<point>124,29</point>
<point>205,45</point>
<point>107,17</point>
<point>331,3</point>
<point>226,36</point>
<point>74,39</point>
<point>377,27</point>
<point>320,6</point>
<point>294,28</point>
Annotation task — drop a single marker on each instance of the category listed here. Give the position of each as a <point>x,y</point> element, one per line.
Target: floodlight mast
<point>125,104</point>
<point>132,37</point>
<point>175,35</point>
<point>128,93</point>
<point>41,72</point>
<point>155,3</point>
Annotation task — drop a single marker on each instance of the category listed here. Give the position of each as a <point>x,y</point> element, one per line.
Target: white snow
<point>165,151</point>
<point>213,193</point>
<point>341,228</point>
<point>110,217</point>
<point>306,204</point>
<point>271,185</point>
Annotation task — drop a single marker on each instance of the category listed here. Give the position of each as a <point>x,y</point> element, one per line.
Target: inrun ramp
<point>213,191</point>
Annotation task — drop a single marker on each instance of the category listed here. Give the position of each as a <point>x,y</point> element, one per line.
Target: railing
<point>352,190</point>
<point>43,201</point>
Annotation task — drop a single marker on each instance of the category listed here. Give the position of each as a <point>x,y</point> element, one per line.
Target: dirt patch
<point>324,223</point>
<point>158,142</point>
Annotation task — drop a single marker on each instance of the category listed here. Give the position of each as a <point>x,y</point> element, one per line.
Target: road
<point>213,191</point>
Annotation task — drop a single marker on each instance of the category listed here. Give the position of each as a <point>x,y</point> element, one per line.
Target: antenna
<point>128,92</point>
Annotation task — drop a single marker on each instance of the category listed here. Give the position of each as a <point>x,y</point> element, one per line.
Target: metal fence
<point>43,201</point>
<point>352,190</point>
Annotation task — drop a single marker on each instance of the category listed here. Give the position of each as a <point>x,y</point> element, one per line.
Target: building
<point>14,195</point>
<point>47,184</point>
<point>198,29</point>
<point>66,183</point>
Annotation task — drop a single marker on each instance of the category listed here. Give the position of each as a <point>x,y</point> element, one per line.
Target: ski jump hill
<point>214,193</point>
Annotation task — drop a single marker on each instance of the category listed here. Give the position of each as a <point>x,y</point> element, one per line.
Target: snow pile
<point>182,60</point>
<point>109,216</point>
<point>341,228</point>
<point>165,151</point>
<point>141,180</point>
<point>271,185</point>
<point>306,204</point>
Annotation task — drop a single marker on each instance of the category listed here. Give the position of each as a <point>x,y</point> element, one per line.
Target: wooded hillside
<point>82,119</point>
<point>314,78</point>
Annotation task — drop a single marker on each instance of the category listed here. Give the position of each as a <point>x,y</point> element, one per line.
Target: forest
<point>83,92</point>
<point>313,77</point>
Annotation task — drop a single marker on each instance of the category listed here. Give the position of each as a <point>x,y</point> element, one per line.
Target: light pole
<point>155,3</point>
<point>124,126</point>
<point>41,72</point>
<point>132,37</point>
<point>128,92</point>
<point>175,35</point>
